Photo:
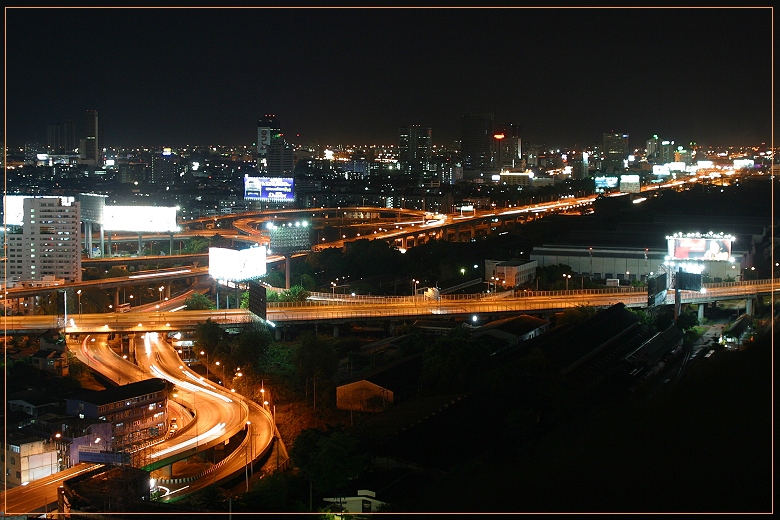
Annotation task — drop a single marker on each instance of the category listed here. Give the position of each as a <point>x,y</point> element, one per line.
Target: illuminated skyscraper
<point>91,152</point>
<point>414,148</point>
<point>615,152</point>
<point>476,136</point>
<point>268,129</point>
<point>506,146</point>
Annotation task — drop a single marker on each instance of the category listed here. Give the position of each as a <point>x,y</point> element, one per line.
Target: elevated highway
<point>325,307</point>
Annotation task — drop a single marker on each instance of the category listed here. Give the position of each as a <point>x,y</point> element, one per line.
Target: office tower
<point>615,152</point>
<point>49,244</point>
<point>280,158</point>
<point>414,148</point>
<point>61,138</point>
<point>476,134</point>
<point>667,152</point>
<point>31,151</point>
<point>268,129</point>
<point>506,146</point>
<point>653,149</point>
<point>91,152</point>
<point>164,167</point>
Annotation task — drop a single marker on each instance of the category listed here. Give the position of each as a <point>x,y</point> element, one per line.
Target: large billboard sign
<point>606,182</point>
<point>263,139</point>
<point>712,247</point>
<point>290,237</point>
<point>687,281</point>
<point>149,219</point>
<point>237,266</point>
<point>275,189</point>
<point>656,290</point>
<point>630,184</point>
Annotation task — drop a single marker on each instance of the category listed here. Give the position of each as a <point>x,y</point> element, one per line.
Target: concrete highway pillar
<point>88,238</point>
<point>167,291</point>
<point>701,311</point>
<point>116,297</point>
<point>750,305</point>
<point>166,471</point>
<point>109,245</point>
<point>277,333</point>
<point>335,331</point>
<point>457,234</point>
<point>140,245</point>
<point>170,242</point>
<point>102,242</point>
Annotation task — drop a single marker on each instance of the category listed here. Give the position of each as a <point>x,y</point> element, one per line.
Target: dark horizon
<point>175,77</point>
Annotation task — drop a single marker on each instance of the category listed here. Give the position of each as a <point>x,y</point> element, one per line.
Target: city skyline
<point>173,77</point>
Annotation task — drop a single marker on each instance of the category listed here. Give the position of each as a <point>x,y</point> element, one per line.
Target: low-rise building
<point>137,411</point>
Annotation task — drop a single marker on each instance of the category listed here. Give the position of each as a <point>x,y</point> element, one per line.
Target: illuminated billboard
<point>606,182</point>
<point>700,247</point>
<point>149,219</point>
<point>276,189</point>
<point>630,184</point>
<point>290,237</point>
<point>237,266</point>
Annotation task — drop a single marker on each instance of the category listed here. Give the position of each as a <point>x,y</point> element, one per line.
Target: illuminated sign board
<point>140,218</point>
<point>661,170</point>
<point>743,163</point>
<point>263,139</point>
<point>230,264</point>
<point>290,237</point>
<point>677,166</point>
<point>606,182</point>
<point>279,189</point>
<point>700,247</point>
<point>630,184</point>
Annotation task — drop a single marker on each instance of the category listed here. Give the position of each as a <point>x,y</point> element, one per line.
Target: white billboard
<point>150,219</point>
<point>237,266</point>
<point>630,184</point>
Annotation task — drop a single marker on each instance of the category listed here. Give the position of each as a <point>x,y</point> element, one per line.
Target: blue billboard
<point>276,189</point>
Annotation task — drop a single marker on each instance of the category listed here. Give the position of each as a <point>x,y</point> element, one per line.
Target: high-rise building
<point>476,136</point>
<point>164,167</point>
<point>91,151</point>
<point>61,138</point>
<point>49,244</point>
<point>268,129</point>
<point>280,158</point>
<point>653,149</point>
<point>667,152</point>
<point>615,152</point>
<point>414,148</point>
<point>506,146</point>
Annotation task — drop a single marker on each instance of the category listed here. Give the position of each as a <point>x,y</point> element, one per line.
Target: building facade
<point>476,140</point>
<point>49,244</point>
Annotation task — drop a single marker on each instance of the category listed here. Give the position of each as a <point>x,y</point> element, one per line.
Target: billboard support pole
<point>677,302</point>
<point>287,258</point>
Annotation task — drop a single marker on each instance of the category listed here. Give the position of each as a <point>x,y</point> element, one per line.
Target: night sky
<point>171,77</point>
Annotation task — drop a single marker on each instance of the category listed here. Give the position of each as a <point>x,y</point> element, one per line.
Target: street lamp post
<point>202,352</point>
<point>79,293</point>
<point>415,282</point>
<point>333,288</point>
<point>567,277</point>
